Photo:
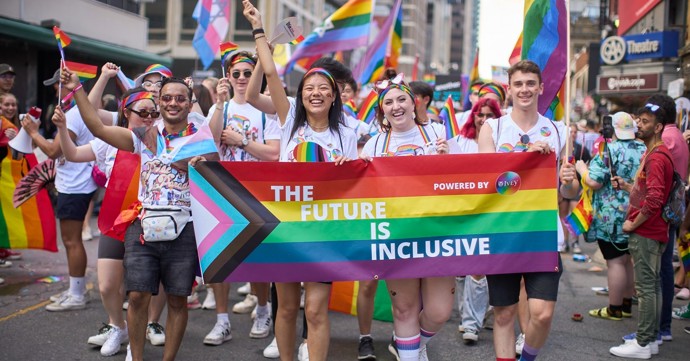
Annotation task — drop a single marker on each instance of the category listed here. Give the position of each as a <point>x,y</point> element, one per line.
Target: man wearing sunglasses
<point>525,130</point>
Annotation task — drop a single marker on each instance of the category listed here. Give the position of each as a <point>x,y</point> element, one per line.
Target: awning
<point>113,52</point>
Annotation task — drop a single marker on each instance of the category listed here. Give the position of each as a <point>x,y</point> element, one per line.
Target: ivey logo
<point>508,183</point>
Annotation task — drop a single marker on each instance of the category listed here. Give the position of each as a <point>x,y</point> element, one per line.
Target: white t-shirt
<point>461,118</point>
<point>307,142</point>
<point>161,184</point>
<point>419,140</point>
<point>360,128</point>
<point>467,145</point>
<point>105,155</point>
<point>75,178</point>
<point>247,120</point>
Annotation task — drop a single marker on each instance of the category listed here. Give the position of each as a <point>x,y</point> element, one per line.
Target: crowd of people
<point>165,124</point>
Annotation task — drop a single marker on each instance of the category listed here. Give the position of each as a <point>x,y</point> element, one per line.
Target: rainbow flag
<point>429,78</point>
<point>517,51</point>
<point>447,114</point>
<point>84,71</point>
<point>62,40</point>
<point>297,40</point>
<point>684,254</point>
<point>433,110</point>
<point>226,49</point>
<point>350,108</point>
<point>32,225</point>
<point>474,74</point>
<point>346,29</point>
<point>395,46</point>
<point>344,299</point>
<point>579,220</point>
<point>367,110</point>
<point>120,193</point>
<point>544,42</point>
<point>372,65</point>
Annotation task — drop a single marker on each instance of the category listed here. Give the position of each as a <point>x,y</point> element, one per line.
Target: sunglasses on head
<point>145,113</point>
<point>246,73</point>
<point>652,107</point>
<point>169,98</point>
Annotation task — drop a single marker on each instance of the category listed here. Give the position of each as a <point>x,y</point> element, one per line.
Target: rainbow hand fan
<point>37,178</point>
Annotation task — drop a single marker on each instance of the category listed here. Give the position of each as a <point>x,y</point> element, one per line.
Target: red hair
<point>469,130</point>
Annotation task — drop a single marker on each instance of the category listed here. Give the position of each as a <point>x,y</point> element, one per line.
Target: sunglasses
<point>246,73</point>
<point>149,83</point>
<point>524,139</point>
<point>178,98</point>
<point>145,113</point>
<point>652,107</point>
<point>7,76</point>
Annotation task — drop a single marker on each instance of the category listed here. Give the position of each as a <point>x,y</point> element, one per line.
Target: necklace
<point>318,128</point>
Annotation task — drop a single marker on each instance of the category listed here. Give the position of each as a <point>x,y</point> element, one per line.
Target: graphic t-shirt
<point>419,140</point>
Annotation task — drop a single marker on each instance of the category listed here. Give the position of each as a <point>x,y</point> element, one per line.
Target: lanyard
<point>387,140</point>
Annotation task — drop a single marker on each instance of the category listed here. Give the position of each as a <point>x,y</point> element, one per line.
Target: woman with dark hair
<point>315,120</point>
<point>483,110</point>
<point>203,98</point>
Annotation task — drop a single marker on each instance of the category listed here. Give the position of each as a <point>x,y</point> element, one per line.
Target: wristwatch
<point>245,142</point>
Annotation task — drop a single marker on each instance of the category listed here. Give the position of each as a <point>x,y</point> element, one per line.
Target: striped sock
<point>529,353</point>
<point>408,347</point>
<point>425,336</point>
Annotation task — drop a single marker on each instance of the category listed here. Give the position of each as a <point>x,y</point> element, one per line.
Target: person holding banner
<point>314,121</point>
<point>244,134</point>
<point>526,130</point>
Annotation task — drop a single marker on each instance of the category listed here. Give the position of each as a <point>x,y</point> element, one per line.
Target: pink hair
<point>469,130</point>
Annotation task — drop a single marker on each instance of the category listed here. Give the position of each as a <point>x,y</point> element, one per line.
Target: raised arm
<point>82,153</point>
<point>254,97</point>
<point>275,86</point>
<point>108,71</point>
<point>222,96</point>
<point>118,137</point>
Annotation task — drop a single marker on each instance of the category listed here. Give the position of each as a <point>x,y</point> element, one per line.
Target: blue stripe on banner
<point>548,38</point>
<point>197,148</point>
<point>441,247</point>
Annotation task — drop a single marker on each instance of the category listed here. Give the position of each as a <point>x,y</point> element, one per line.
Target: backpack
<point>673,210</point>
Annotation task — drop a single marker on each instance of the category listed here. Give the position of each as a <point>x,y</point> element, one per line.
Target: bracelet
<point>219,107</point>
<point>69,96</point>
<point>257,31</point>
<point>259,37</point>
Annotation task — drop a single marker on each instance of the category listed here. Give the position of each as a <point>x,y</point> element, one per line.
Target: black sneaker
<point>687,330</point>
<point>366,349</point>
<point>393,349</point>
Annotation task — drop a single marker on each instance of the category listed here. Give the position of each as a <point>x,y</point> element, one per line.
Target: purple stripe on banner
<point>393,269</point>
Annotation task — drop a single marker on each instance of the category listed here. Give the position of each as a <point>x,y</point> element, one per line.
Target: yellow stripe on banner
<point>355,292</point>
<point>413,207</point>
<point>13,217</point>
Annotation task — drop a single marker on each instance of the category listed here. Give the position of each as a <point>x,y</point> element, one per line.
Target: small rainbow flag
<point>429,79</point>
<point>433,110</point>
<point>447,114</point>
<point>297,40</point>
<point>62,39</point>
<point>344,299</point>
<point>84,71</point>
<point>226,49</point>
<point>474,73</point>
<point>350,109</point>
<point>367,112</point>
<point>580,218</point>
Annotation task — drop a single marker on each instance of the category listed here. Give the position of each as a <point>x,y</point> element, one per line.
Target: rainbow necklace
<point>187,131</point>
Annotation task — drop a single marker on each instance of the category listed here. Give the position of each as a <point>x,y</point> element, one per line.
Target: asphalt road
<point>28,332</point>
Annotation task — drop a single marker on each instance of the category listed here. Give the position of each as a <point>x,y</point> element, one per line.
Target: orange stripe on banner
<point>407,186</point>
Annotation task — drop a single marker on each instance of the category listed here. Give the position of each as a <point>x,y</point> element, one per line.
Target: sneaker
<point>683,294</point>
<point>576,247</point>
<point>60,296</point>
<point>654,348</point>
<point>365,351</point>
<point>261,327</point>
<point>9,254</point>
<point>470,337</point>
<point>155,333</point>
<point>633,336</point>
<point>100,338</point>
<point>245,289</point>
<point>129,353</point>
<point>687,330</point>
<point>303,352</point>
<point>268,304</point>
<point>271,351</point>
<point>210,300</point>
<point>603,291</point>
<point>5,264</point>
<point>631,349</point>
<point>393,349</point>
<point>682,313</point>
<point>665,336</point>
<point>125,305</point>
<point>626,314</point>
<point>117,337</point>
<point>519,343</point>
<point>193,301</point>
<point>422,354</point>
<point>69,303</point>
<point>245,306</point>
<point>461,328</point>
<point>220,333</point>
<point>86,235</point>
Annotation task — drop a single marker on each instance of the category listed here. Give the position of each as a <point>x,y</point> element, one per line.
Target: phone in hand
<point>35,112</point>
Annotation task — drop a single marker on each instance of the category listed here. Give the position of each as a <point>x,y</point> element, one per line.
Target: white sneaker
<point>125,305</point>
<point>245,289</point>
<point>422,354</point>
<point>268,304</point>
<point>193,301</point>
<point>67,304</point>
<point>155,333</point>
<point>112,345</point>
<point>220,333</point>
<point>519,344</point>
<point>654,347</point>
<point>303,352</point>
<point>470,337</point>
<point>271,351</point>
<point>261,327</point>
<point>60,296</point>
<point>210,300</point>
<point>631,349</point>
<point>5,264</point>
<point>86,235</point>
<point>247,305</point>
<point>103,334</point>
<point>129,353</point>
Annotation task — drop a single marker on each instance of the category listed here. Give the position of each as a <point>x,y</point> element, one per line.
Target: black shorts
<point>612,250</point>
<point>173,263</point>
<point>73,206</point>
<point>504,289</point>
<point>110,248</point>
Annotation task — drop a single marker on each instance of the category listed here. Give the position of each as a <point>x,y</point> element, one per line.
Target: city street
<point>29,332</point>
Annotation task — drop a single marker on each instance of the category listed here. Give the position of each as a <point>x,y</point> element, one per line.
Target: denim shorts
<point>504,289</point>
<point>173,263</point>
<point>73,206</point>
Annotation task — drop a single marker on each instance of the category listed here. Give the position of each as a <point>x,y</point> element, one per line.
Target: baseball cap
<point>6,68</point>
<point>53,80</point>
<point>153,69</point>
<point>624,126</point>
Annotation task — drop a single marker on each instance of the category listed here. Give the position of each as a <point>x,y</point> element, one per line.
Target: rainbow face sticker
<point>508,183</point>
<point>545,131</point>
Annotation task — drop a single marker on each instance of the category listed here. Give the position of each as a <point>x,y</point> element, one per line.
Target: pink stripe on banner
<point>224,221</point>
<point>393,269</point>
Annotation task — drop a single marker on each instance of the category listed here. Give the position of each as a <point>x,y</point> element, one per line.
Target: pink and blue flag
<point>213,17</point>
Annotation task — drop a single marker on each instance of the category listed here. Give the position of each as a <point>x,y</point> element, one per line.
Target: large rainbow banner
<point>398,217</point>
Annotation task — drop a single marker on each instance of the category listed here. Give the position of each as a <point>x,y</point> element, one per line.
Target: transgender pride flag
<point>213,17</point>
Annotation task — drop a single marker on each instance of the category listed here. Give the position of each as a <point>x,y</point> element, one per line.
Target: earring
<point>385,121</point>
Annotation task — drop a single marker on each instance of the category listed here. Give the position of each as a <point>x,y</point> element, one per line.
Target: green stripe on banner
<point>531,29</point>
<point>324,231</point>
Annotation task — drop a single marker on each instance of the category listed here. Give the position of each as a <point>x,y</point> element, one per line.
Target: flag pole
<point>62,65</point>
<point>566,106</point>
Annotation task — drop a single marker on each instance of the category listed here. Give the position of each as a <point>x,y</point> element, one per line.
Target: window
<point>157,13</point>
<point>243,29</point>
<point>189,24</point>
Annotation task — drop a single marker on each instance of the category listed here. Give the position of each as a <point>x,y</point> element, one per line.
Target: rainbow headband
<point>390,86</point>
<point>323,72</point>
<point>475,87</point>
<point>242,59</point>
<point>136,97</point>
<point>493,88</point>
